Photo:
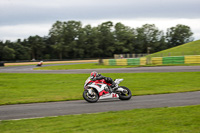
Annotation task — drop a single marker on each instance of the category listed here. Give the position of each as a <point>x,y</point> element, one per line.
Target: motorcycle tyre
<point>123,97</point>
<point>88,99</point>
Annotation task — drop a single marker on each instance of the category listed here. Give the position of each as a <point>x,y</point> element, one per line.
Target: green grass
<point>97,66</point>
<point>191,48</point>
<point>29,88</point>
<point>79,66</point>
<point>156,120</point>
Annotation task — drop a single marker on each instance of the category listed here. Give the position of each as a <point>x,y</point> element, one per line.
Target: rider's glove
<point>93,79</point>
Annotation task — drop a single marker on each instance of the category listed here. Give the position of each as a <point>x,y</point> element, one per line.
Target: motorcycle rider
<point>97,76</point>
<point>40,63</point>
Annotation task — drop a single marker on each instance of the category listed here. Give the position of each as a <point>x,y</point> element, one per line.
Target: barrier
<point>121,62</point>
<point>106,62</point>
<point>156,60</point>
<point>133,61</point>
<point>173,60</point>
<point>143,61</point>
<point>112,62</point>
<point>193,59</point>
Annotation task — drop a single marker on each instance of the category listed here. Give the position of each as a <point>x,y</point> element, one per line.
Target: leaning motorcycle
<point>99,89</point>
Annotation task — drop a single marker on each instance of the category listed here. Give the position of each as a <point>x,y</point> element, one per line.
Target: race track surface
<point>29,69</point>
<point>79,107</point>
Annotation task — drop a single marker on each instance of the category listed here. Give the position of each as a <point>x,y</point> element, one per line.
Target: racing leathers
<point>107,79</point>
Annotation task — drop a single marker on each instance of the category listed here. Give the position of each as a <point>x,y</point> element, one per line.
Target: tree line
<point>72,40</point>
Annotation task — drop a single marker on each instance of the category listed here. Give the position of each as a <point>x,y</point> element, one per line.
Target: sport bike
<point>99,89</point>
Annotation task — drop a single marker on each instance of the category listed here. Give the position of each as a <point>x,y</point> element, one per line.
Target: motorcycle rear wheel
<point>91,99</point>
<point>123,96</point>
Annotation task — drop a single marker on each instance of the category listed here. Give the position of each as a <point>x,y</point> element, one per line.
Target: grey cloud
<point>28,11</point>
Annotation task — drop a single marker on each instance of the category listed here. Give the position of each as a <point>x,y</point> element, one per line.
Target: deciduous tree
<point>178,35</point>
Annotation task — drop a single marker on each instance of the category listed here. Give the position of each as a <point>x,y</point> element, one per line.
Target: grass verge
<point>156,120</point>
<point>97,66</point>
<point>80,66</point>
<point>29,88</point>
<point>191,48</point>
<point>48,62</point>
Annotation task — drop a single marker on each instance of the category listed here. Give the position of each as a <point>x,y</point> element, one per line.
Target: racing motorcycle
<point>99,89</point>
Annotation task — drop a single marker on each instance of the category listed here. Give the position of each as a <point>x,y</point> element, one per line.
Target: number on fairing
<point>114,95</point>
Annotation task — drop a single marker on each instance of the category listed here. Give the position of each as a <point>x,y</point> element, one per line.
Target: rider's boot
<point>114,87</point>
<point>111,90</point>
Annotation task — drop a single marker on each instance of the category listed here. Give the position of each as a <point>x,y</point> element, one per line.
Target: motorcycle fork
<point>90,91</point>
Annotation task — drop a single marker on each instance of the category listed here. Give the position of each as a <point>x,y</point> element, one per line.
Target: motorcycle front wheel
<point>125,96</point>
<point>90,98</point>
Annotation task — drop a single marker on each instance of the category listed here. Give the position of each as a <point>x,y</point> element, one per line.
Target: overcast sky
<point>24,18</point>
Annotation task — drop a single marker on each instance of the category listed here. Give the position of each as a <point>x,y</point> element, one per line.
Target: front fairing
<point>99,85</point>
<point>88,80</point>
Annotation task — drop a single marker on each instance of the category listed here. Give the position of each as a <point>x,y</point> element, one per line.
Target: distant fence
<point>120,56</point>
<point>189,59</point>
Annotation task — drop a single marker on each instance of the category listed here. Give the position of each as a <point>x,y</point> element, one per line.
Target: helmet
<point>93,74</point>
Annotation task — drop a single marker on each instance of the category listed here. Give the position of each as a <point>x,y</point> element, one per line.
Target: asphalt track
<point>29,69</point>
<point>23,111</point>
<point>35,110</point>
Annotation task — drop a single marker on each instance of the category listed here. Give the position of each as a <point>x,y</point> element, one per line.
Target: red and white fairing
<point>101,86</point>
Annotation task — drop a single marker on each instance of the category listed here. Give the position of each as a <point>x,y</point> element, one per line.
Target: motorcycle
<point>40,63</point>
<point>99,89</point>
